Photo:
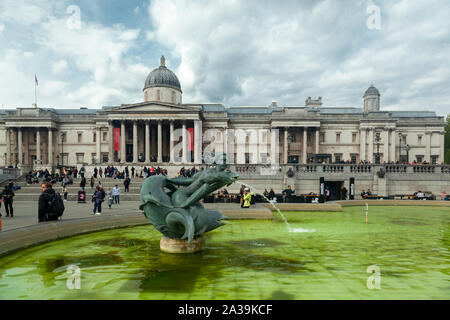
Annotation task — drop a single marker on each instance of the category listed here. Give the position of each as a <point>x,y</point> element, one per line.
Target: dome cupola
<point>162,85</point>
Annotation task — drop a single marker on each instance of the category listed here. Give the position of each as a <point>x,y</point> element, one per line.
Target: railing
<point>364,169</point>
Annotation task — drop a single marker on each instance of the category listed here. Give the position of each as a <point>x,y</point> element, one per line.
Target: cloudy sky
<point>231,52</point>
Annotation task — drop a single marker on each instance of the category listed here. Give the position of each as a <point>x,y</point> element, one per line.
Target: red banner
<point>116,139</point>
<point>190,139</point>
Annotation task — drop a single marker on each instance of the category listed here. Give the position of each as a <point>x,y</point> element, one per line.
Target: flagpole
<point>35,91</point>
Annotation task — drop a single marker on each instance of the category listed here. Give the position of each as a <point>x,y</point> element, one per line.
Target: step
<point>74,197</point>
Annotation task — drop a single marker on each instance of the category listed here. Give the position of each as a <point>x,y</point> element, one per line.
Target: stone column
<point>305,144</point>
<point>362,145</point>
<point>38,145</point>
<point>8,146</point>
<point>122,141</point>
<point>111,142</point>
<point>317,140</point>
<point>441,147</point>
<point>386,145</point>
<point>97,144</point>
<point>159,141</point>
<point>370,153</point>
<point>197,142</point>
<point>274,146</point>
<point>393,135</point>
<point>19,146</point>
<point>428,146</point>
<point>135,142</point>
<point>286,133</point>
<point>147,141</point>
<point>171,142</point>
<point>50,147</point>
<point>184,143</point>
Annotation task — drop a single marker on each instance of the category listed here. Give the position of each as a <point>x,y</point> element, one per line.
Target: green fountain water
<point>249,260</point>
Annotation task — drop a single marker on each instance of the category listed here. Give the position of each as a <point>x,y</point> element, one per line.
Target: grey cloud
<point>249,53</point>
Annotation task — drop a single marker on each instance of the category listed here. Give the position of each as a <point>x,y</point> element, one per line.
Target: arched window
<point>158,95</point>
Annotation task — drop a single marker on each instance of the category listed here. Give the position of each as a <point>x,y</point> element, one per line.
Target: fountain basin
<point>249,259</point>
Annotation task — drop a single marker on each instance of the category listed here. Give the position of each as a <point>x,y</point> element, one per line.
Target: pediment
<point>156,107</point>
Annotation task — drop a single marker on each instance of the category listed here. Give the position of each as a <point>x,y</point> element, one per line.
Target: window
<point>353,158</point>
<point>173,96</point>
<point>105,157</point>
<point>338,157</point>
<point>80,157</point>
<point>65,156</point>
<point>94,136</point>
<point>79,137</point>
<point>322,137</point>
<point>353,137</point>
<point>419,158</point>
<point>419,139</point>
<point>158,95</point>
<point>434,159</point>
<point>338,137</point>
<point>105,136</point>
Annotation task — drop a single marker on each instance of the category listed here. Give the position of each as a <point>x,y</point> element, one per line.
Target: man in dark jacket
<point>126,183</point>
<point>8,195</point>
<point>45,199</point>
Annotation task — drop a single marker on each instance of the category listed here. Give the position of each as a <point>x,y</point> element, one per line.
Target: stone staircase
<point>31,192</point>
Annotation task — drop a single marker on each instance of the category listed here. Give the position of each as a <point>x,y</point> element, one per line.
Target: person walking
<point>92,182</point>
<point>7,195</point>
<point>65,192</point>
<point>126,183</point>
<point>97,198</point>
<point>95,172</point>
<point>45,209</point>
<point>100,172</point>
<point>110,198</point>
<point>132,171</point>
<point>116,194</point>
<point>83,183</point>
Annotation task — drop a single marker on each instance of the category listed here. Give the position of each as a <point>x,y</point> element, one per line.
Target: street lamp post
<point>377,139</point>
<point>62,152</point>
<point>289,139</point>
<point>407,148</point>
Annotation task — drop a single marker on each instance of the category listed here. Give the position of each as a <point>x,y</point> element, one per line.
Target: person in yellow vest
<point>247,198</point>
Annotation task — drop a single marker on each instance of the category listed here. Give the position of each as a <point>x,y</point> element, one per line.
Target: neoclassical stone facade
<point>163,130</point>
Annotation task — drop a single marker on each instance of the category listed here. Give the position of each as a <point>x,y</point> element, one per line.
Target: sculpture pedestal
<point>181,246</point>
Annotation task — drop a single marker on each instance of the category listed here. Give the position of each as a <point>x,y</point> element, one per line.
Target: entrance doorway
<point>335,189</point>
<point>129,153</point>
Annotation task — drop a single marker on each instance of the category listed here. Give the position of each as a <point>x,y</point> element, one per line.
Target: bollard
<point>367,213</point>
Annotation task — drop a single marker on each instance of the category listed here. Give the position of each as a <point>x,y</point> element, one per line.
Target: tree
<point>447,141</point>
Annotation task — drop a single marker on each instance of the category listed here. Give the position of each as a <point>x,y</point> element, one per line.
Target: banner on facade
<point>116,139</point>
<point>190,139</point>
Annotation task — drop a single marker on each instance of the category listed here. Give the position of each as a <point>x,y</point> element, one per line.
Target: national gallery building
<point>147,132</point>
